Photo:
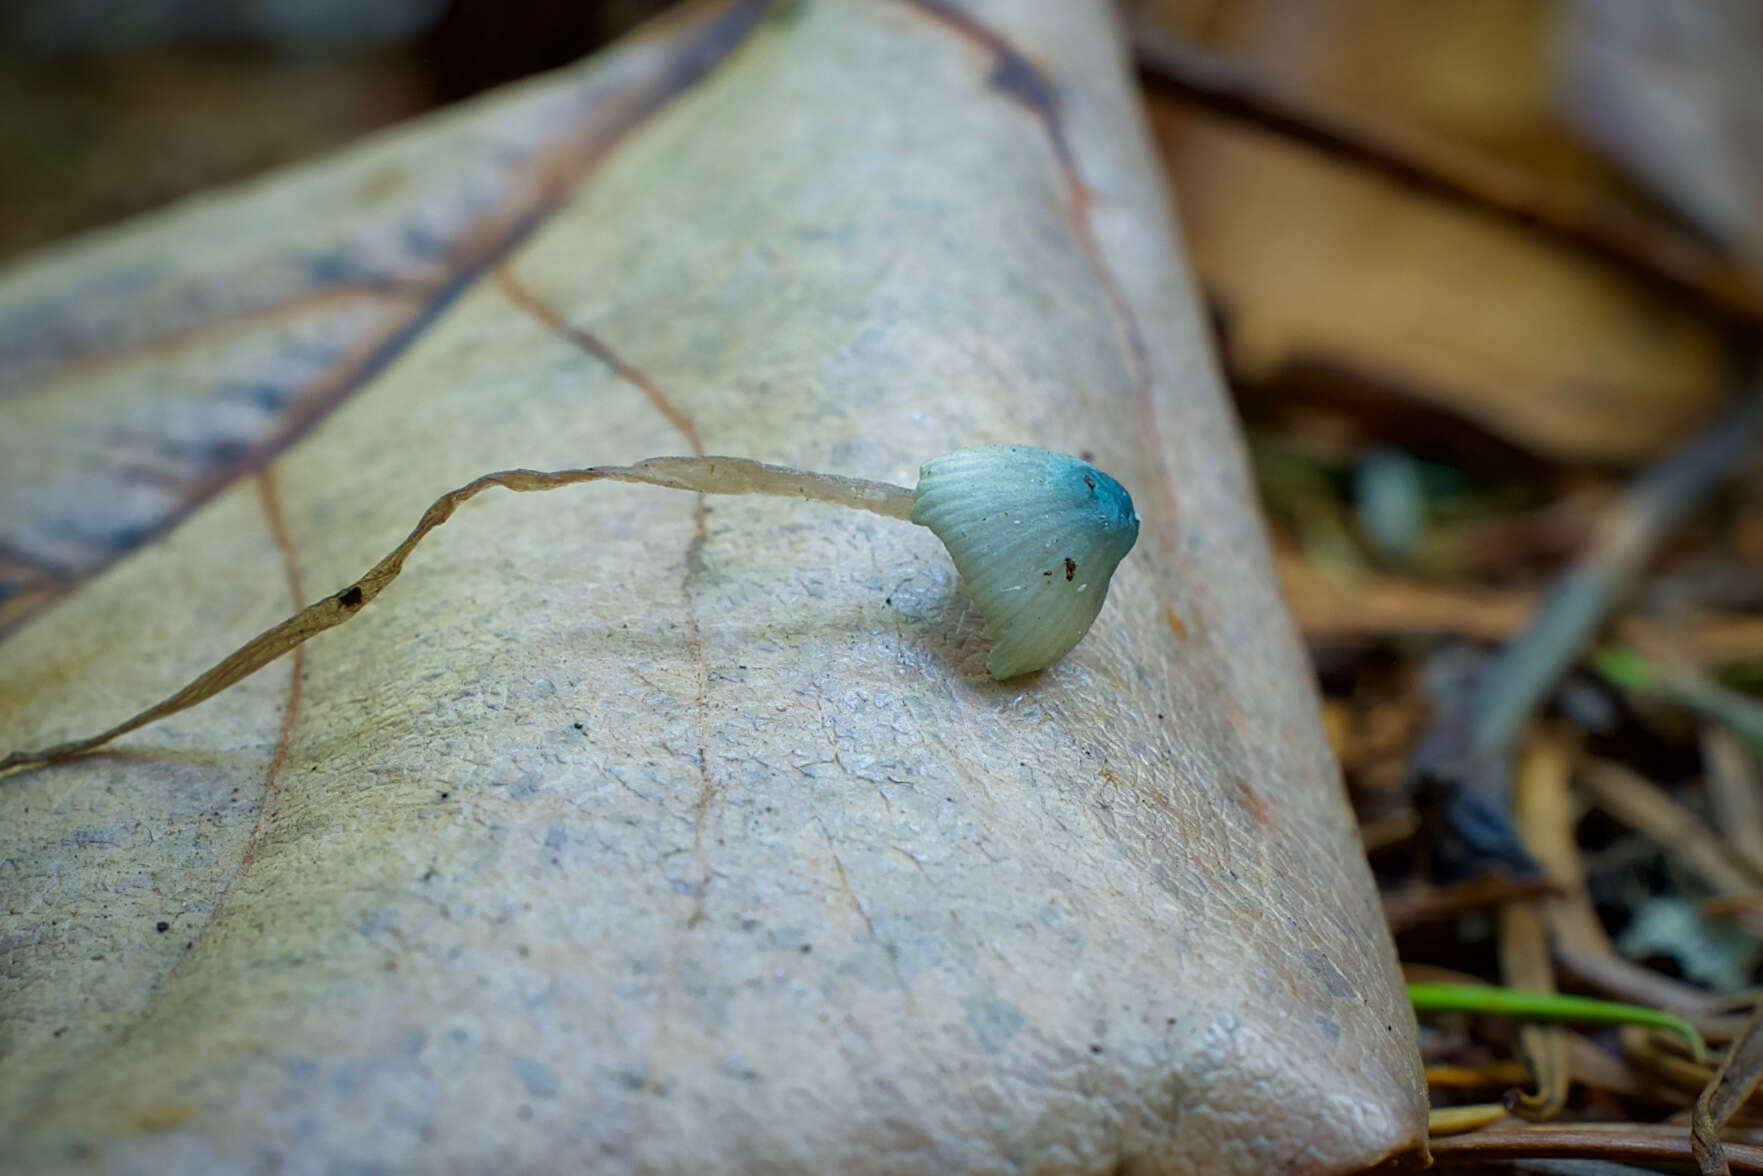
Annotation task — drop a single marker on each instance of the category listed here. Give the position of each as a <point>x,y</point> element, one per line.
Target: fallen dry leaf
<point>1337,283</point>
<point>1324,273</point>
<point>629,834</point>
<point>1348,605</point>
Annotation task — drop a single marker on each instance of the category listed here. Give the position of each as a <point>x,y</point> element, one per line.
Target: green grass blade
<point>1429,997</point>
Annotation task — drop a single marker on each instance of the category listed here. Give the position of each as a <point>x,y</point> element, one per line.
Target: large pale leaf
<point>617,835</point>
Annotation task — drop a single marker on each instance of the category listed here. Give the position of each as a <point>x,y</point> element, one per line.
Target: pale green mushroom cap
<point>1036,535</point>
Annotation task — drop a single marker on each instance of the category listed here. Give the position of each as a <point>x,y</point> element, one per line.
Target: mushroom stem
<point>704,475</point>
<point>738,475</point>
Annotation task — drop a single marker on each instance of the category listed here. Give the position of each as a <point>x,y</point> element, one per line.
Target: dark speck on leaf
<point>162,926</point>
<point>807,947</point>
<point>1070,569</point>
<point>445,795</point>
<point>1090,482</point>
<point>350,597</point>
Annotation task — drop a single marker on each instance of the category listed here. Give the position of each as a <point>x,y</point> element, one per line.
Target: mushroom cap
<point>1036,535</point>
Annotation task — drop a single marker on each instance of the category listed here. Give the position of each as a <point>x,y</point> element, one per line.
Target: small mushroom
<point>1036,535</point>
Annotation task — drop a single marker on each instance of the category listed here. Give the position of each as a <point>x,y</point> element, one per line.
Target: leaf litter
<point>1534,634</point>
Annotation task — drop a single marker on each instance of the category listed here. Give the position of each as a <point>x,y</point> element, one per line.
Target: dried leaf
<point>1323,271</point>
<point>1457,1120</point>
<point>690,838</point>
<point>1333,282</point>
<point>1525,961</point>
<point>1734,1081</point>
<point>1461,71</point>
<point>1359,605</point>
<point>1642,805</point>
